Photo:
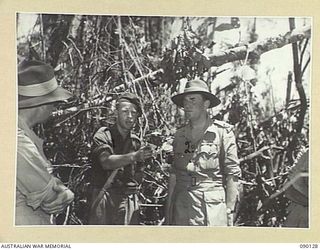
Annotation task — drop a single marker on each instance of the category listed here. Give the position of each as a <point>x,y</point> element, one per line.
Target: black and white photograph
<point>137,120</point>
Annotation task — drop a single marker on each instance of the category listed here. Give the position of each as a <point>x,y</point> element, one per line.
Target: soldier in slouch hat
<point>38,193</point>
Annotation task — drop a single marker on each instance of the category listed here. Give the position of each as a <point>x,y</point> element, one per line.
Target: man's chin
<point>129,126</point>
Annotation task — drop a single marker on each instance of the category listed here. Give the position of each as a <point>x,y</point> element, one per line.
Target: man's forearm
<point>61,198</point>
<point>111,162</point>
<point>171,186</point>
<point>231,191</point>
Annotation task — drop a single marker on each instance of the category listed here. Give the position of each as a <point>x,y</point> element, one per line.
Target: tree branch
<point>259,153</point>
<point>303,50</point>
<point>289,84</point>
<point>258,48</point>
<point>305,66</point>
<point>255,49</point>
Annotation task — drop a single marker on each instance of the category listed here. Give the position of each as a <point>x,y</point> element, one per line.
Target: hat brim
<point>58,95</point>
<point>178,99</point>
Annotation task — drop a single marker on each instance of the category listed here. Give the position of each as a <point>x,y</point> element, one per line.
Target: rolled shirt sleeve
<point>33,178</point>
<point>231,160</point>
<point>102,142</point>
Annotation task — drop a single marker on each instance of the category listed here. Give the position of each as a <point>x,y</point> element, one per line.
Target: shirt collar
<point>29,132</point>
<point>210,128</point>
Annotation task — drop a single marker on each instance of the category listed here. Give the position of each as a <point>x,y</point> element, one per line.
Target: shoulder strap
<point>111,176</point>
<point>114,172</point>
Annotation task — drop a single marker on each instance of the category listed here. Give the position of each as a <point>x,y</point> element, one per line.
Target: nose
<point>187,104</point>
<point>52,107</point>
<point>131,115</point>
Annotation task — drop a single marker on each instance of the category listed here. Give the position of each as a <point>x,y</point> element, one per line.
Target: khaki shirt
<point>34,185</point>
<point>208,161</point>
<point>201,169</point>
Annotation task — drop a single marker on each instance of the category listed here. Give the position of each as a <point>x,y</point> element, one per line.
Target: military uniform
<point>123,205</point>
<point>34,183</point>
<point>201,168</point>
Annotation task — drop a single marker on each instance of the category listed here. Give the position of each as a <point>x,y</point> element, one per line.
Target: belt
<point>193,181</point>
<point>120,189</point>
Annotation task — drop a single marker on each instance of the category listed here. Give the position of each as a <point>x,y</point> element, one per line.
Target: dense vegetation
<point>99,57</point>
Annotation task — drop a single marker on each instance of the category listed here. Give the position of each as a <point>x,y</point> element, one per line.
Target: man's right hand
<point>63,199</point>
<point>143,153</point>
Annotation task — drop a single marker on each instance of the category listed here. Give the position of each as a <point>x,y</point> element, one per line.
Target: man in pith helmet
<point>203,185</point>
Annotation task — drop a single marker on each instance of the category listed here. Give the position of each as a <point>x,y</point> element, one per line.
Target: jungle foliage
<point>99,57</point>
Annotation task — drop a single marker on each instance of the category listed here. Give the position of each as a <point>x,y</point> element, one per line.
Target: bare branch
<point>285,187</point>
<point>303,50</point>
<point>258,48</point>
<point>259,152</point>
<point>289,85</point>
<point>305,66</point>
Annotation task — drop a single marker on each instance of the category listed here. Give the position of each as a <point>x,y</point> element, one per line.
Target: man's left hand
<point>230,219</point>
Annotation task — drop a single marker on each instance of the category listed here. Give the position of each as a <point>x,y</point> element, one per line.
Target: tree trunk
<point>298,80</point>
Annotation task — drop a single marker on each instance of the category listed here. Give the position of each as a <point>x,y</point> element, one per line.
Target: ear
<point>116,111</point>
<point>206,104</point>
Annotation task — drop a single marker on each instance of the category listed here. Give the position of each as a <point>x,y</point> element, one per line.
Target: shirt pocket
<point>214,196</point>
<point>208,155</point>
<point>215,208</point>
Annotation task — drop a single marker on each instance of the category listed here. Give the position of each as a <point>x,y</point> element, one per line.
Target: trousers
<point>121,208</point>
<point>199,207</point>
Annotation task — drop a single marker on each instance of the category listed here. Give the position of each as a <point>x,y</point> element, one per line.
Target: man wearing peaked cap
<point>38,193</point>
<point>203,185</point>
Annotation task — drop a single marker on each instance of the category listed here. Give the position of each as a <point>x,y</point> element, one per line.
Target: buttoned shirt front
<point>201,168</point>
<point>208,160</point>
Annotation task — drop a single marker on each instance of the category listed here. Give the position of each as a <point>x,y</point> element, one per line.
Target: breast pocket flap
<point>214,196</point>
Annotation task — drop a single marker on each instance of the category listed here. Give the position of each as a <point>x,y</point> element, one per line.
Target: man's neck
<point>201,122</point>
<point>123,132</point>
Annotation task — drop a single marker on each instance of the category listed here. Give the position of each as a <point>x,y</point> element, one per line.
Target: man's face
<point>127,115</point>
<point>194,105</point>
<point>45,111</point>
